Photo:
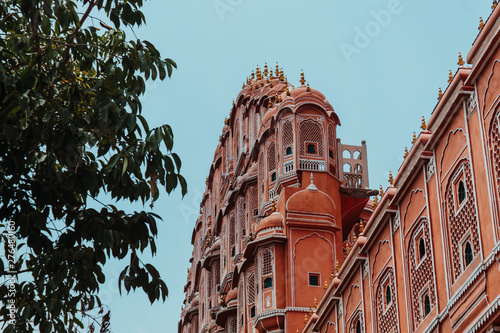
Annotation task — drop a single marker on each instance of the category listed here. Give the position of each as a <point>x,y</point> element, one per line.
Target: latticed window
<point>287,139</point>
<point>261,176</point>
<point>209,284</point>
<point>233,325</point>
<point>217,273</point>
<point>271,159</point>
<point>241,217</point>
<point>462,217</point>
<point>241,303</point>
<point>232,235</point>
<point>386,313</point>
<point>251,289</point>
<point>254,202</point>
<point>421,269</point>
<point>267,263</point>
<point>255,125</point>
<point>495,150</point>
<point>311,133</point>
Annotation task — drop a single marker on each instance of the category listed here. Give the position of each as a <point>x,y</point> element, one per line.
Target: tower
<point>282,206</point>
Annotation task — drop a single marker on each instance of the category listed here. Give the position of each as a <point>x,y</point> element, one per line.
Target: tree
<point>72,129</point>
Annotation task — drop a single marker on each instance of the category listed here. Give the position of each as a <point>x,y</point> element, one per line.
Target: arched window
<point>427,305</point>
<point>468,254</point>
<point>388,295</point>
<point>251,290</point>
<point>311,148</point>
<point>287,139</point>
<point>421,248</point>
<point>252,311</point>
<point>288,151</point>
<point>462,194</point>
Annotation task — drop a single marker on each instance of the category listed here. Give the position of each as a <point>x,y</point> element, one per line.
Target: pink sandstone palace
<point>291,239</point>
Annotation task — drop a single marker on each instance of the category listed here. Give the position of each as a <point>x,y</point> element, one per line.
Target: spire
<point>302,80</point>
<point>311,186</point>
<point>424,126</point>
<point>277,73</point>
<point>461,61</point>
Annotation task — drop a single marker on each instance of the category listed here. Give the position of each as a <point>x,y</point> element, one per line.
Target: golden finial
<point>354,238</point>
<point>381,191</point>
<point>226,121</point>
<point>297,330</point>
<point>286,89</point>
<point>270,82</point>
<point>406,152</point>
<point>302,80</point>
<point>461,61</point>
<point>265,69</point>
<point>375,202</point>
<point>258,73</point>
<point>308,89</point>
<point>316,302</point>
<point>201,212</point>
<point>243,85</point>
<point>337,266</point>
<point>206,180</point>
<point>424,126</point>
<point>262,84</point>
<point>332,275</point>
<point>450,76</point>
<point>282,75</point>
<point>347,249</point>
<point>326,285</point>
<point>252,76</point>
<point>270,104</point>
<point>391,180</point>
<point>273,206</point>
<point>277,99</point>
<point>361,227</point>
<point>414,138</point>
<point>277,70</point>
<point>440,94</point>
<point>481,24</point>
<point>306,319</point>
<point>310,311</point>
<point>494,5</point>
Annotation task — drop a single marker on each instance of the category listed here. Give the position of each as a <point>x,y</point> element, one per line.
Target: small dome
<point>232,294</point>
<point>271,221</point>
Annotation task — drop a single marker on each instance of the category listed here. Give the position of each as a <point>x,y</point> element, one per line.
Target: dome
<point>271,221</point>
<point>311,200</point>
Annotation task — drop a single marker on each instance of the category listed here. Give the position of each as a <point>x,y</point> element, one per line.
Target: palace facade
<point>291,239</point>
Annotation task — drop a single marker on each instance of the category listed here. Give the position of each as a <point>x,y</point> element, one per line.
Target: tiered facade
<point>288,241</point>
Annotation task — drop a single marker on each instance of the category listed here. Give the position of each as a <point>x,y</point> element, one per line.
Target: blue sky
<point>380,81</point>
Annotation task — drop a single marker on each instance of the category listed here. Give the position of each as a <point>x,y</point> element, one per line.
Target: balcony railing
<point>314,165</point>
<point>288,166</point>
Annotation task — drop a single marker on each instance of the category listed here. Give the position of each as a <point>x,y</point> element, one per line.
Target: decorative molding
<point>395,223</point>
<point>341,306</point>
<point>366,269</point>
<point>431,168</point>
<point>471,104</point>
